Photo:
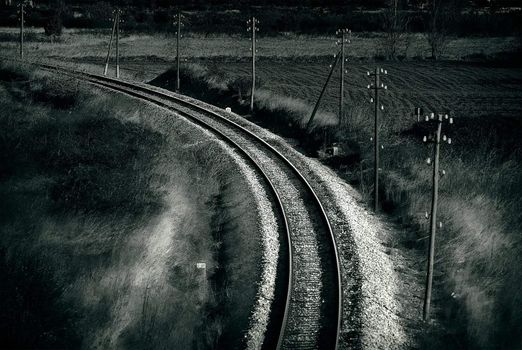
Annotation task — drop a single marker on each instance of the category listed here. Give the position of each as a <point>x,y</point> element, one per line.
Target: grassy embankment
<point>101,226</point>
<point>477,266</point>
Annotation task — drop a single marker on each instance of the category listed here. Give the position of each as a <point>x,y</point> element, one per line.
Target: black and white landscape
<point>260,175</point>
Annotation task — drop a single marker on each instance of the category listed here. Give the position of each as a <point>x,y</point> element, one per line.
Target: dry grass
<point>477,299</point>
<point>114,226</point>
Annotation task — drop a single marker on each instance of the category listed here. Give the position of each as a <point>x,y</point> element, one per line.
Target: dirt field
<point>461,88</point>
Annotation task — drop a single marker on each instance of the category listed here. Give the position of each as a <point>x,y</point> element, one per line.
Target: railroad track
<point>306,313</point>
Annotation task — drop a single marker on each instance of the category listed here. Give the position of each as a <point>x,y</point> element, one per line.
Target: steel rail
<point>140,90</point>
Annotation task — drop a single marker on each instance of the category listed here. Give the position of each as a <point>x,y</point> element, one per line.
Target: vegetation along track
<point>306,313</point>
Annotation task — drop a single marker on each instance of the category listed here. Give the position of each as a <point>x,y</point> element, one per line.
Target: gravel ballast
<point>371,308</point>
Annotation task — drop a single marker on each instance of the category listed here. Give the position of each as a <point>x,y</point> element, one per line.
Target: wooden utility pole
<point>436,140</point>
<point>342,33</point>
<point>376,86</point>
<point>118,43</point>
<point>110,45</point>
<point>21,30</point>
<point>316,107</point>
<point>417,113</point>
<point>21,9</point>
<point>178,59</point>
<point>252,27</point>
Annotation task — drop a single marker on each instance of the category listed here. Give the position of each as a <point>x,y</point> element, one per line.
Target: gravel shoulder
<point>378,312</point>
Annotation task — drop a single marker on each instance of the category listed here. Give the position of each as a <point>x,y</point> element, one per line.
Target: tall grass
<point>477,300</point>
<point>101,225</point>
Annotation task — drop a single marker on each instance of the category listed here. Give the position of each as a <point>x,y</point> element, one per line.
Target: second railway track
<point>312,297</point>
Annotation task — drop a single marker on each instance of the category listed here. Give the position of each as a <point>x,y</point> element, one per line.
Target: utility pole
<point>252,27</point>
<point>178,38</point>
<point>436,140</point>
<point>316,107</point>
<point>118,43</point>
<point>21,10</point>
<point>376,86</point>
<point>417,113</point>
<point>114,18</point>
<point>21,30</point>
<point>343,40</point>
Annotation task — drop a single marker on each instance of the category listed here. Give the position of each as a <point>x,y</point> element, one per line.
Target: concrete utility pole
<point>376,86</point>
<point>342,33</point>
<point>316,107</point>
<point>436,140</point>
<point>252,27</point>
<point>110,45</point>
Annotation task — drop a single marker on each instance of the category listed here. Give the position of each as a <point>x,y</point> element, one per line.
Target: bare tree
<point>395,22</point>
<point>439,16</point>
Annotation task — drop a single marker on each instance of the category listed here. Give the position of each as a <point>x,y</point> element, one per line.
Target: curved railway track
<point>306,313</point>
